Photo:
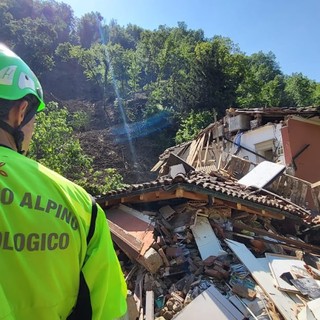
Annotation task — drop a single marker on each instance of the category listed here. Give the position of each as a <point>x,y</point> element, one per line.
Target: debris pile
<point>194,245</point>
<point>203,259</point>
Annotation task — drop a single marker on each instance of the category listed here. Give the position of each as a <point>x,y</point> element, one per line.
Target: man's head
<point>21,98</point>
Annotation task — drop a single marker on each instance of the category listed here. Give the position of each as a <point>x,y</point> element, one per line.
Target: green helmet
<point>16,78</point>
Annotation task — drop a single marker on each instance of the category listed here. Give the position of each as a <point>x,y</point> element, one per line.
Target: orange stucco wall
<point>295,136</point>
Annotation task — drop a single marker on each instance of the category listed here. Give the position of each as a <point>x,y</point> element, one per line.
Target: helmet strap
<point>17,133</point>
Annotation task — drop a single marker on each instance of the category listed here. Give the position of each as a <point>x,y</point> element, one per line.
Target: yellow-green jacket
<point>51,236</point>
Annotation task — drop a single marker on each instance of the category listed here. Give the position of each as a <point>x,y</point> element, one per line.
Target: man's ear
<point>17,113</point>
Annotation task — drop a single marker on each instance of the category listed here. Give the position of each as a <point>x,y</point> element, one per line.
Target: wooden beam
<point>207,148</point>
<point>296,243</point>
<point>199,151</point>
<point>240,206</point>
<point>159,195</point>
<point>191,151</point>
<point>181,193</point>
<point>153,196</point>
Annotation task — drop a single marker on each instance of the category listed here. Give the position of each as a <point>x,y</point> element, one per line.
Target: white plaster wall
<point>261,134</point>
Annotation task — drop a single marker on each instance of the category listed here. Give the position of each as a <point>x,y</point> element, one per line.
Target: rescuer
<point>57,259</point>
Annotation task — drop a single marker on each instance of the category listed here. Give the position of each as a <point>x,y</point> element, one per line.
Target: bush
<point>54,146</point>
<point>193,124</point>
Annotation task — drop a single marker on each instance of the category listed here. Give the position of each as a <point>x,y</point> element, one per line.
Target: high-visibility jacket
<point>45,259</point>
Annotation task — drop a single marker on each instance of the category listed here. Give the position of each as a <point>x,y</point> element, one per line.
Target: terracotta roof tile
<point>204,182</point>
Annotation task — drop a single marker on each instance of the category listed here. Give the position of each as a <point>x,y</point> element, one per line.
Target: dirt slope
<point>101,141</point>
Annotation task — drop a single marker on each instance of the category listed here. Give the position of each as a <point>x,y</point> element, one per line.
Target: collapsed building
<point>229,229</point>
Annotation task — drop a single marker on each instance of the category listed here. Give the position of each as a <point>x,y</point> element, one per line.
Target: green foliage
<point>94,63</point>
<point>300,91</point>
<point>34,29</point>
<point>134,71</point>
<point>64,51</point>
<point>316,95</point>
<point>217,72</point>
<point>55,146</point>
<point>127,37</point>
<point>79,120</point>
<point>263,83</point>
<point>5,18</point>
<point>30,35</point>
<point>88,29</point>
<point>119,62</point>
<point>100,182</point>
<point>193,124</point>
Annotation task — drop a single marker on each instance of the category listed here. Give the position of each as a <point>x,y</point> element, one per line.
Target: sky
<point>288,28</point>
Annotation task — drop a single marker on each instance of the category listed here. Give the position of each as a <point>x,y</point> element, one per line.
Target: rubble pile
<point>230,228</point>
<point>200,250</point>
<point>198,245</point>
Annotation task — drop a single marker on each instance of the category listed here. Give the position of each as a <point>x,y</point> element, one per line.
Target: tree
<point>94,62</point>
<point>166,56</point>
<point>149,49</point>
<point>55,146</point>
<point>34,29</point>
<point>5,18</point>
<point>263,82</point>
<point>119,66</point>
<point>89,29</point>
<point>59,15</point>
<point>134,71</point>
<point>20,8</point>
<point>126,37</point>
<point>316,95</point>
<point>217,72</point>
<point>300,91</point>
<point>135,33</point>
<point>193,124</point>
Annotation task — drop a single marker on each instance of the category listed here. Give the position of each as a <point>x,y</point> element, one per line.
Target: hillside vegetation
<point>139,91</point>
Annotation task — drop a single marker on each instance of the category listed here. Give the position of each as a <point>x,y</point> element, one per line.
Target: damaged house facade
<point>229,228</point>
<point>247,137</point>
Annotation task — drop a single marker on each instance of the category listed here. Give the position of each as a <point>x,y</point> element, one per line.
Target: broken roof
<point>303,111</point>
<point>266,114</point>
<point>198,185</point>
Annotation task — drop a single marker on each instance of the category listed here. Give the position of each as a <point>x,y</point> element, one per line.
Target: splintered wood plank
<point>292,188</point>
<point>207,148</point>
<point>315,192</point>
<point>295,191</point>
<point>284,304</point>
<point>287,188</point>
<point>303,193</point>
<point>192,151</point>
<point>277,183</point>
<point>149,305</point>
<point>198,151</point>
